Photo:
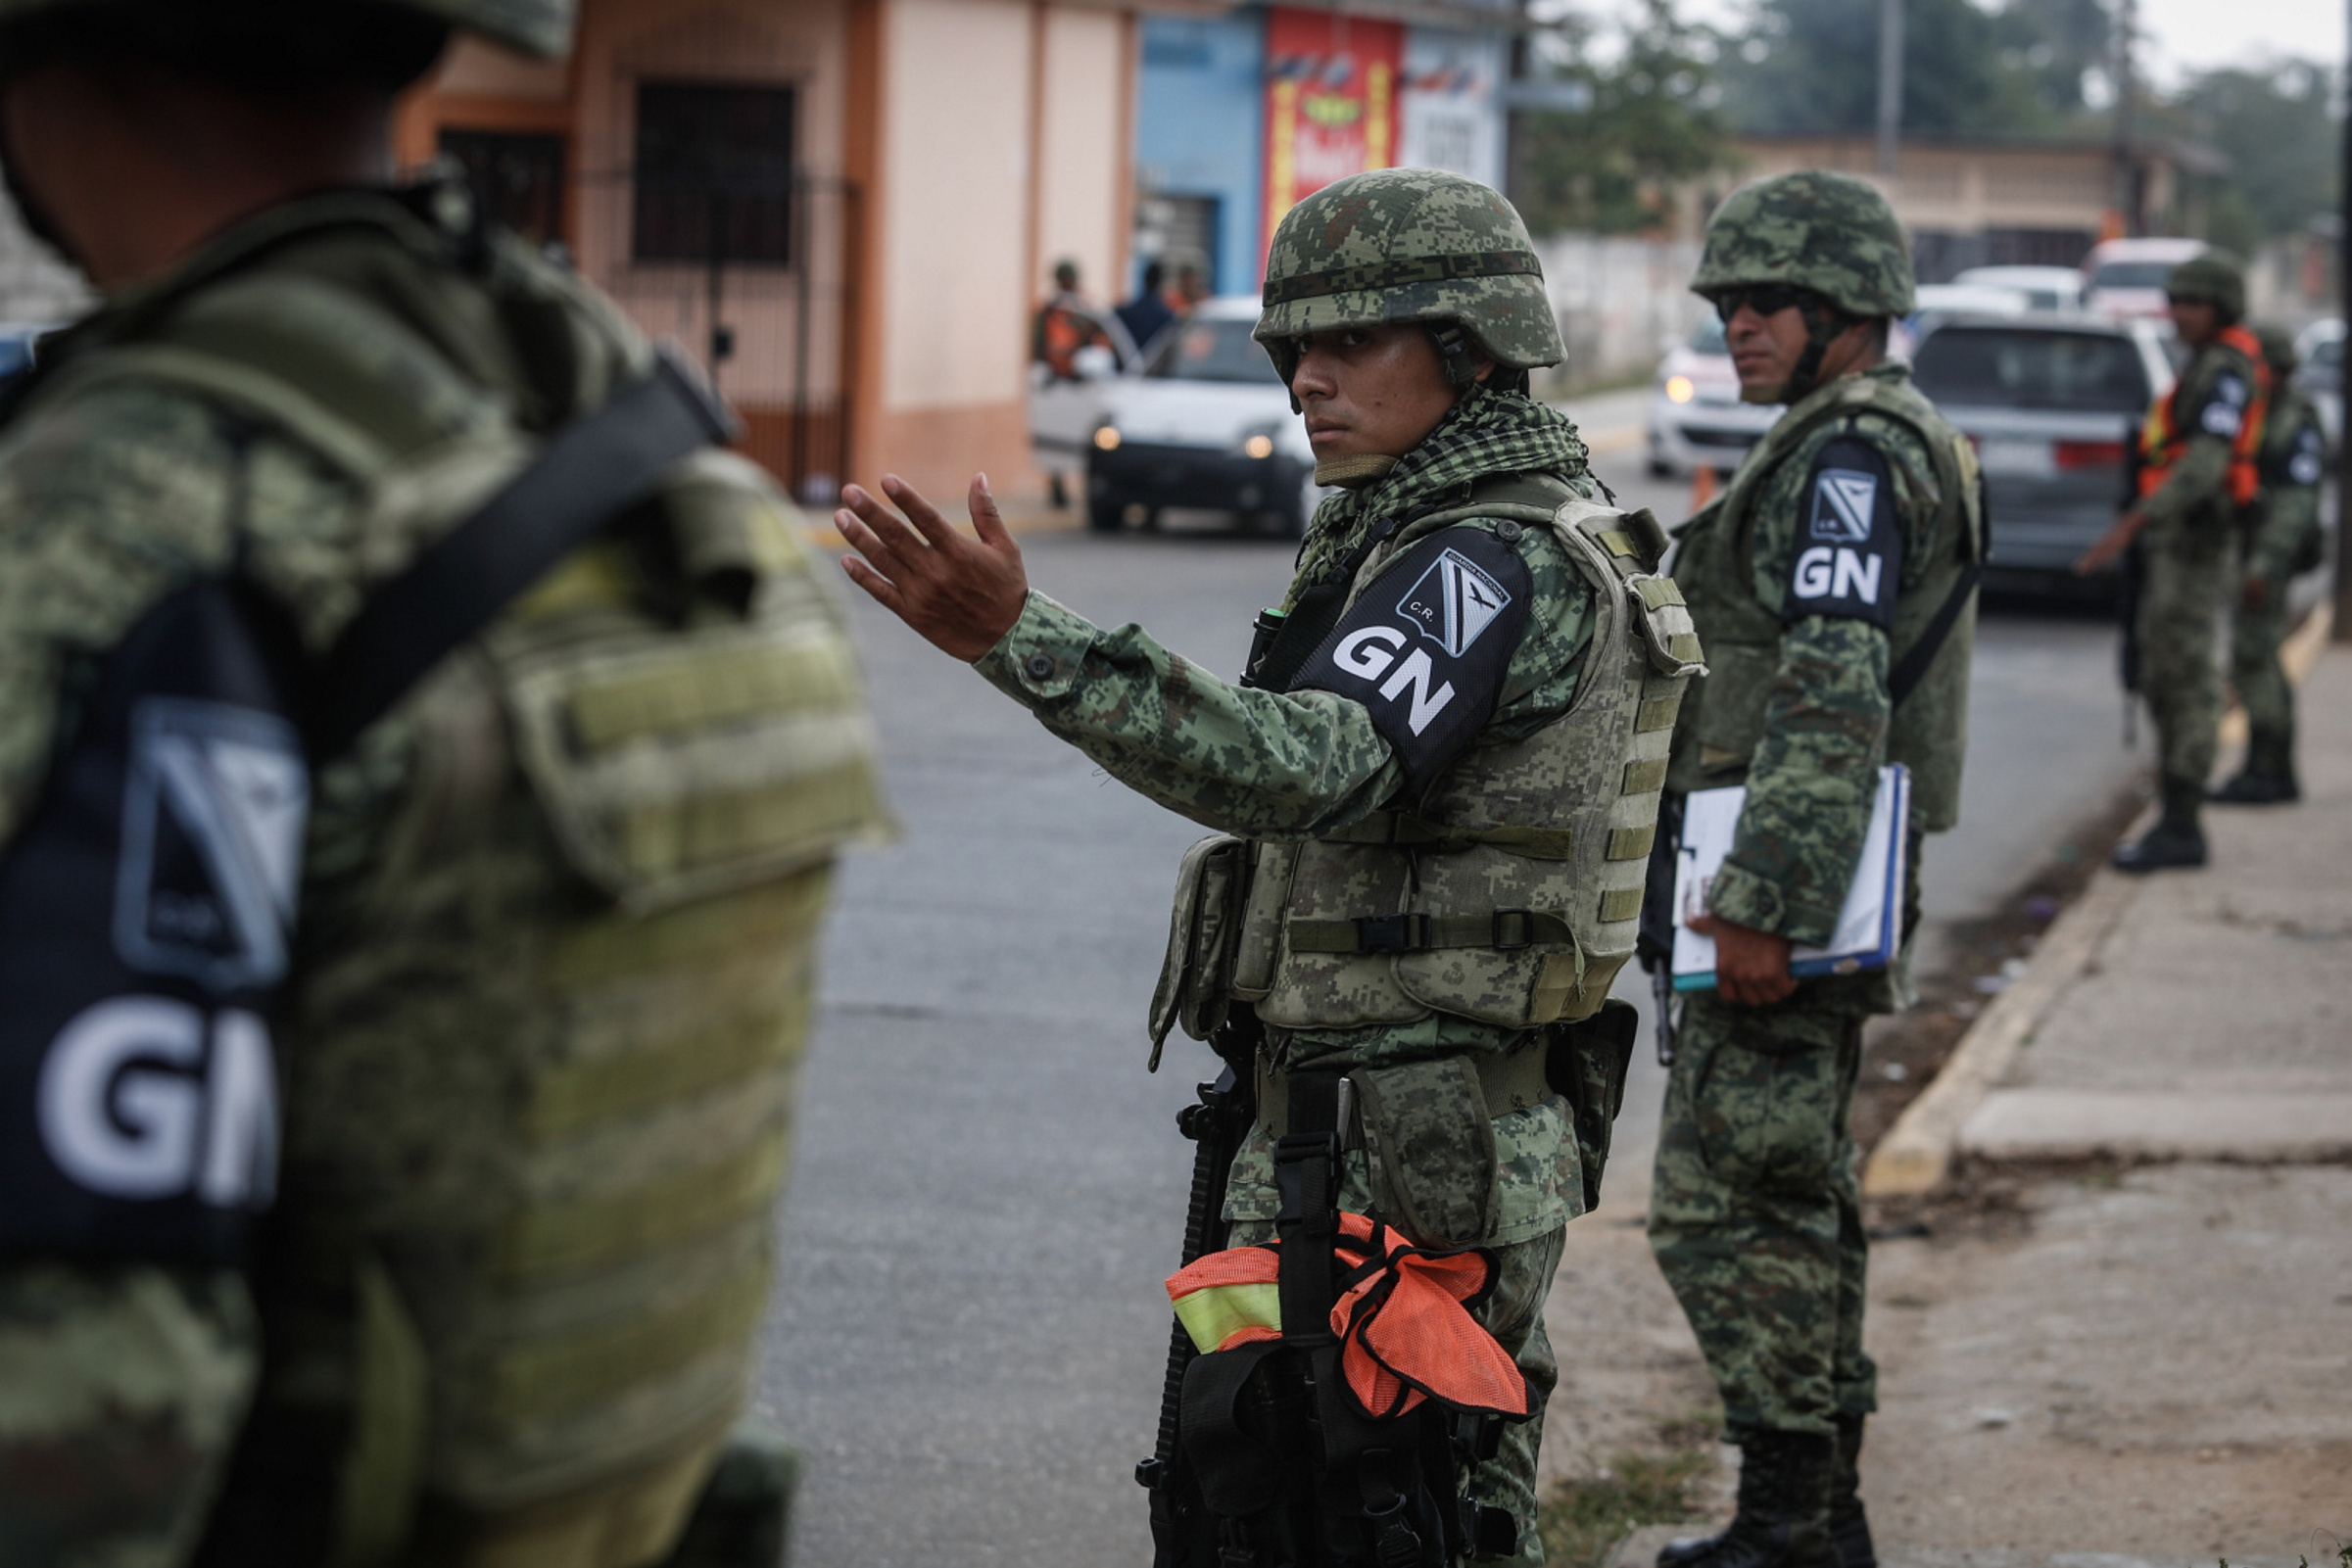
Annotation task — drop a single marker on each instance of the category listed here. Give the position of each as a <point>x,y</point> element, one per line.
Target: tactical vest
<point>1510,892</point>
<point>553,975</point>
<point>2162,440</point>
<point>1723,719</point>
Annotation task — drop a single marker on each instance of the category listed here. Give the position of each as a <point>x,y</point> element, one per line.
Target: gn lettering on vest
<point>123,1113</point>
<point>1371,652</point>
<point>1852,560</point>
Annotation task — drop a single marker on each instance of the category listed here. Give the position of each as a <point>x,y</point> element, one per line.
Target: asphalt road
<point>988,1188</point>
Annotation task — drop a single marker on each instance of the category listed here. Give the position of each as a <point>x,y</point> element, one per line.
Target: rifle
<point>1654,945</point>
<point>1217,1125</point>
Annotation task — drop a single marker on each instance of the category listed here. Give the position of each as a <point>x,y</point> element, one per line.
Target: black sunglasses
<point>1765,299</point>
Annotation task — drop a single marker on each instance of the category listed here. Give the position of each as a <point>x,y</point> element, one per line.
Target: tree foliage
<point>1812,66</point>
<point>1654,123</point>
<point>2275,128</point>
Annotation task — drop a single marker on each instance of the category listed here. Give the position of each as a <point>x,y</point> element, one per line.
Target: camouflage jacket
<point>1801,717</point>
<point>2286,517</point>
<point>1275,765</point>
<point>2192,510</point>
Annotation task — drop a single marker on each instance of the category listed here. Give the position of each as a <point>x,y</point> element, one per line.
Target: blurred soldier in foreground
<point>1442,764</point>
<point>2281,538</point>
<point>1833,585</point>
<point>408,721</point>
<point>2199,472</point>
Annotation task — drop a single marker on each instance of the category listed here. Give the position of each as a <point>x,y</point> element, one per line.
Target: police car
<point>1208,425</point>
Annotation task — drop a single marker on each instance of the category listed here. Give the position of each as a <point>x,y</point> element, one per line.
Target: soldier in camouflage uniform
<point>1437,724</point>
<point>2281,538</point>
<point>1833,585</point>
<point>2198,473</point>
<point>534,1029</point>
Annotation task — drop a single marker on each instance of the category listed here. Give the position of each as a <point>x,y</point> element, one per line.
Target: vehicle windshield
<point>1215,351</point>
<point>2076,372</point>
<point>2325,355</point>
<point>1707,337</point>
<point>2132,274</point>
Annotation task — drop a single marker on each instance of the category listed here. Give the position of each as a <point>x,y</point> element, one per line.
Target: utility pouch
<point>1196,978</point>
<point>1587,1063</point>
<point>1429,1149</point>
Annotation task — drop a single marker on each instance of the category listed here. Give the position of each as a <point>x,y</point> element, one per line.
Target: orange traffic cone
<point>1703,488</point>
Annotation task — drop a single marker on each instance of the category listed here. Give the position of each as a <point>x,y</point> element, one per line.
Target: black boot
<point>744,1517</point>
<point>2175,842</point>
<point>1783,1520</point>
<point>2268,776</point>
<point>1849,1525</point>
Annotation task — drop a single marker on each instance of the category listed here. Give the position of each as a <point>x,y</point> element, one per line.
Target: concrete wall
<point>1619,301</point>
<point>1082,148</point>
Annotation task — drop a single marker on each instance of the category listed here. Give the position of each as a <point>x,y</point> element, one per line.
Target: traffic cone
<point>1703,488</point>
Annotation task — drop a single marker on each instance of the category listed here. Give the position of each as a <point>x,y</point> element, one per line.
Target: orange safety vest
<point>1402,1319</point>
<point>2161,441</point>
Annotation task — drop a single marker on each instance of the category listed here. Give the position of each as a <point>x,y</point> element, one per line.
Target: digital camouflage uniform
<point>1836,542</point>
<point>1289,769</point>
<point>551,972</point>
<point>2280,537</point>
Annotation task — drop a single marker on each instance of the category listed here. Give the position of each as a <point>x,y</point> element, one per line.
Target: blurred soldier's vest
<point>2162,439</point>
<point>1724,720</point>
<point>1511,892</point>
<point>2293,456</point>
<point>553,973</point>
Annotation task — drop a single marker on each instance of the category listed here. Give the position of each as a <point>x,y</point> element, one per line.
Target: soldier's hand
<point>961,594</point>
<point>2113,543</point>
<point>2254,593</point>
<point>1752,967</point>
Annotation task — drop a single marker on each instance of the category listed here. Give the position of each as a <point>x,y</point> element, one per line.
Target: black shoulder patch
<point>1425,648</point>
<point>2306,461</point>
<point>2224,407</point>
<point>1849,545</point>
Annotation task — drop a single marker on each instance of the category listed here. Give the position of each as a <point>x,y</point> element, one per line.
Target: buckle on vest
<point>1525,924</point>
<point>1392,933</point>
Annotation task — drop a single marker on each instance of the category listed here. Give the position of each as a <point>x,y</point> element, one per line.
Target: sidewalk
<point>2127,1330</point>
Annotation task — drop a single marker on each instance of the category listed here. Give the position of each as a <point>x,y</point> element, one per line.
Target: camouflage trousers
<point>2261,684</point>
<point>1756,1210</point>
<point>1514,1316</point>
<point>2179,625</point>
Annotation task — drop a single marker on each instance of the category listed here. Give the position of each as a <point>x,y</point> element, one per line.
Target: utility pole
<point>1890,85</point>
<point>2343,282</point>
<point>2127,162</point>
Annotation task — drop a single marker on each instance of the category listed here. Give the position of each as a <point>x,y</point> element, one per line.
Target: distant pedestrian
<point>1191,287</point>
<point>1147,314</point>
<point>1065,323</point>
<point>2198,473</point>
<point>2280,540</point>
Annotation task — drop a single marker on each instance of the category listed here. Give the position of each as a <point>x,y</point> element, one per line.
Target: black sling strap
<point>1922,653</point>
<point>591,470</point>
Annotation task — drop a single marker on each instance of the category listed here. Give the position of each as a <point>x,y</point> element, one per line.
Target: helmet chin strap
<point>1822,325</point>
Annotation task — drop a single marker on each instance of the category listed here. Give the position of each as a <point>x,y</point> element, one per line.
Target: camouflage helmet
<point>2278,348</point>
<point>540,27</point>
<point>1408,245</point>
<point>1831,233</point>
<point>2216,277</point>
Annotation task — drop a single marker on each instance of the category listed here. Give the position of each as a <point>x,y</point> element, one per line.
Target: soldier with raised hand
<point>1442,762</point>
<point>421,756</point>
<point>2199,470</point>
<point>2280,539</point>
<point>1833,585</point>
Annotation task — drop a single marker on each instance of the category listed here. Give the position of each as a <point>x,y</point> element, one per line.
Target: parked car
<point>1938,301</point>
<point>2124,278</point>
<point>2051,404</point>
<point>2320,373</point>
<point>1696,418</point>
<point>1208,424</point>
<point>2046,288</point>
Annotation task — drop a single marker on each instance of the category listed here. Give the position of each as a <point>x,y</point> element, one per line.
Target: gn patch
<point>1850,549</point>
<point>2226,408</point>
<point>2305,463</point>
<point>1428,660</point>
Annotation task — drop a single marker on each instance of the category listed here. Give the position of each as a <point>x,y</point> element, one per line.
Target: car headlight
<point>1680,390</point>
<point>1258,440</point>
<point>1106,437</point>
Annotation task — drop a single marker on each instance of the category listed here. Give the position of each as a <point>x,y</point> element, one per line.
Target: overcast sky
<point>2181,34</point>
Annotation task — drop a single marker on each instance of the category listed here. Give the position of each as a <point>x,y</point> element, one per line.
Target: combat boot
<point>2177,840</point>
<point>1783,1520</point>
<point>2268,776</point>
<point>1849,1525</point>
<point>744,1516</point>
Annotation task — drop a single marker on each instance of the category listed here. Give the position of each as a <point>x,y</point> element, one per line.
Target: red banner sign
<point>1330,102</point>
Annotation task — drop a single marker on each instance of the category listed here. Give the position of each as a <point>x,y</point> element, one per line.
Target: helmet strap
<point>1454,356</point>
<point>1822,325</point>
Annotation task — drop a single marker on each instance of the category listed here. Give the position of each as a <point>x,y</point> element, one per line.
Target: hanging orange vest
<point>2161,441</point>
<point>1402,1317</point>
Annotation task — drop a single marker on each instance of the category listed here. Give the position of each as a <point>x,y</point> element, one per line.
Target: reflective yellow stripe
<point>659,840</point>
<point>552,1238</point>
<point>1631,843</point>
<point>1215,1314</point>
<point>555,1374</point>
<point>1622,903</point>
<point>709,691</point>
<point>1643,777</point>
<point>1656,714</point>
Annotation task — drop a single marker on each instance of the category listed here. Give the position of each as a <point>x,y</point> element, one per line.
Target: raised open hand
<point>962,594</point>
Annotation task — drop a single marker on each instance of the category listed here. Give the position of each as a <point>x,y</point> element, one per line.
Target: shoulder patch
<point>1850,552</point>
<point>2307,462</point>
<point>2225,407</point>
<point>1429,662</point>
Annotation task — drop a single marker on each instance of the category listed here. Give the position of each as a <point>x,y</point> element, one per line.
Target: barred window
<point>714,173</point>
<point>517,179</point>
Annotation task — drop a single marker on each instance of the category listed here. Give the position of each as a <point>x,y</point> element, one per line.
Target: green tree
<point>1653,124</point>
<point>2275,128</point>
<point>1812,66</point>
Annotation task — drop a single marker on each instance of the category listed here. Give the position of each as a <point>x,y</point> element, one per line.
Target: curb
<point>1915,1155</point>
